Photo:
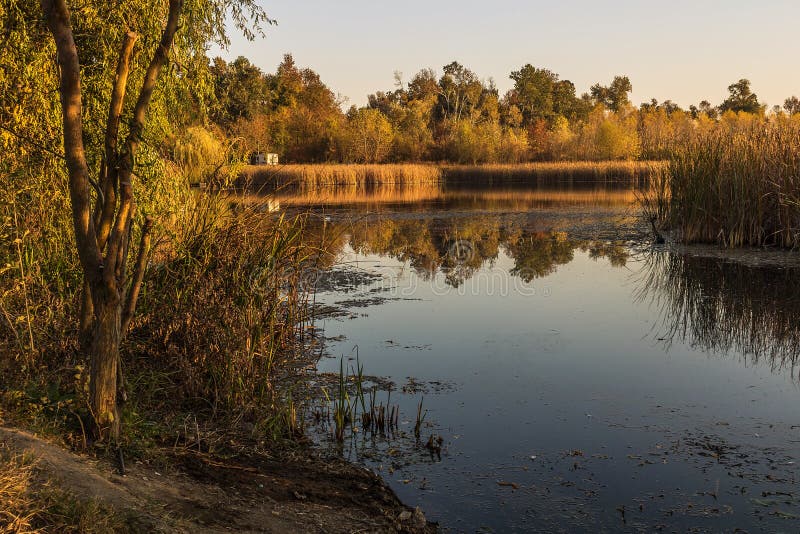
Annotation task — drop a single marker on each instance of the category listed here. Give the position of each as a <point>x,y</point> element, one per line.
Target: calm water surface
<point>579,382</point>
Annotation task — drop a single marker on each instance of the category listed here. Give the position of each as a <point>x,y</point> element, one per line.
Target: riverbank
<point>212,396</point>
<point>53,490</point>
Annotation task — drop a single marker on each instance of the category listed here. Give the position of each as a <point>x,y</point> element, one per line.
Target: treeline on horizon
<point>457,117</point>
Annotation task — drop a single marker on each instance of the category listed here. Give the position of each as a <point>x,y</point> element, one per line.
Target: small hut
<point>260,158</point>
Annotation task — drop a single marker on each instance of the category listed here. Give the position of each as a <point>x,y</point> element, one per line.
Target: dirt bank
<point>201,493</point>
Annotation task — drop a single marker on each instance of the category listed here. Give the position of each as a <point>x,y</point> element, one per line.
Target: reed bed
<point>325,175</point>
<point>633,171</point>
<point>737,187</point>
<point>226,310</point>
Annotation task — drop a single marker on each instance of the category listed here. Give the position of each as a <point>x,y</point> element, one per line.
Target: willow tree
<point>102,195</point>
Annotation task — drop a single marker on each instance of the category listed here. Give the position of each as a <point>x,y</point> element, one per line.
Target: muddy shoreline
<point>287,491</point>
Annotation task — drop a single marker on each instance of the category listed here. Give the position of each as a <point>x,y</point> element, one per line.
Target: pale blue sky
<point>682,50</point>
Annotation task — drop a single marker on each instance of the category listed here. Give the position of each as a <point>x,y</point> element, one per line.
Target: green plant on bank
<point>735,186</point>
<point>420,418</point>
<point>352,403</point>
<point>342,411</point>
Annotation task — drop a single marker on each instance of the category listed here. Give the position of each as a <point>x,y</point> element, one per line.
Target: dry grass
<point>326,175</point>
<point>320,176</point>
<point>30,503</point>
<point>738,187</point>
<point>634,171</point>
<point>17,506</point>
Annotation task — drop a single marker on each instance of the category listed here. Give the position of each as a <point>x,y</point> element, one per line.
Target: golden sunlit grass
<point>326,175</point>
<point>319,175</point>
<point>576,170</point>
<point>17,508</point>
<point>738,188</point>
<point>30,503</point>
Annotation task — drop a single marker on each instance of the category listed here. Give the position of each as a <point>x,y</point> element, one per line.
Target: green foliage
<point>290,112</point>
<point>742,98</point>
<point>539,94</point>
<point>615,96</point>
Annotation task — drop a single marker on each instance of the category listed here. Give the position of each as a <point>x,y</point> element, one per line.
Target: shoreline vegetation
<point>324,175</point>
<point>736,188</point>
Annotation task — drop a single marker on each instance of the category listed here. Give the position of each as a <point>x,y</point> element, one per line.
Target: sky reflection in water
<point>586,384</point>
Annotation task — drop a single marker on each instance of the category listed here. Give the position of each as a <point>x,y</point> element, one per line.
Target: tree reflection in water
<point>459,247</point>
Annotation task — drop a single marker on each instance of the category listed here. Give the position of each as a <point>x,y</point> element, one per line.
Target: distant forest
<point>455,116</point>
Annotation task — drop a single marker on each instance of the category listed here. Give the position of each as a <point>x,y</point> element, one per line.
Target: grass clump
<point>31,503</point>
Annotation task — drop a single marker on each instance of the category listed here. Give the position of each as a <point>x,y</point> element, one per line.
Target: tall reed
<point>319,176</point>
<point>325,175</point>
<point>738,187</point>
<point>631,171</point>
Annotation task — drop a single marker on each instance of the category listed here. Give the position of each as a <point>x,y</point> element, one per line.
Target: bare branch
<point>151,77</point>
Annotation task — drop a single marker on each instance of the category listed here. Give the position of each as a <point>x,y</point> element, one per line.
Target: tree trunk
<point>105,357</point>
<point>86,319</point>
<point>102,235</point>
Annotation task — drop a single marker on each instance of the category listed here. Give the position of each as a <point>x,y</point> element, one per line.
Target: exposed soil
<point>201,493</point>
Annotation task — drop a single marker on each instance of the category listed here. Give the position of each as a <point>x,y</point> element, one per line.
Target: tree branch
<point>138,276</point>
<point>108,178</point>
<point>58,21</point>
<point>128,156</point>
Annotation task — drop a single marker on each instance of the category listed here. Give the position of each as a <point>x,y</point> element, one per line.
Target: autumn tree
<point>102,196</point>
<point>240,89</point>
<point>541,95</point>
<point>368,136</point>
<point>459,92</point>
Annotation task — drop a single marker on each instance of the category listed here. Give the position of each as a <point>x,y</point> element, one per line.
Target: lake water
<point>579,380</point>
